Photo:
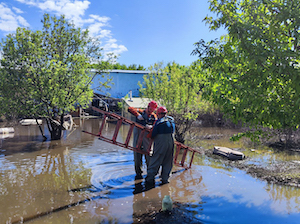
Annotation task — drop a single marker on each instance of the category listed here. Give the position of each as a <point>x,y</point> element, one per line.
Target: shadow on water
<point>106,192</point>
<point>138,187</point>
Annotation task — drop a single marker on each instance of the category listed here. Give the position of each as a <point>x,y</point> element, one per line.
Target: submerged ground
<point>274,171</point>
<point>279,172</point>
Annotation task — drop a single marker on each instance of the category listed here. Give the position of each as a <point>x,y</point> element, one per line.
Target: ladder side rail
<point>137,150</point>
<point>135,123</point>
<point>125,120</point>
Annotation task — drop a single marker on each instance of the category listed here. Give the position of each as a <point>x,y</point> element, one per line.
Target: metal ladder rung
<point>129,134</point>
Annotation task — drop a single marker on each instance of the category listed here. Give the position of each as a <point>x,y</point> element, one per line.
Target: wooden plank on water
<point>229,153</point>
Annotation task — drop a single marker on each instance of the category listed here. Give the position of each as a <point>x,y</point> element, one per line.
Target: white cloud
<point>22,21</point>
<point>104,33</point>
<point>102,19</point>
<point>95,25</point>
<point>17,10</point>
<point>72,9</point>
<point>9,21</point>
<point>75,10</point>
<point>111,46</point>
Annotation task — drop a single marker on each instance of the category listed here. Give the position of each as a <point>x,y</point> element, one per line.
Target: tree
<point>109,64</point>
<point>179,89</point>
<point>255,68</point>
<point>47,73</point>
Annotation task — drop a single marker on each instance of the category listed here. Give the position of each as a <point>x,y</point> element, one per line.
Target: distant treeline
<point>108,65</point>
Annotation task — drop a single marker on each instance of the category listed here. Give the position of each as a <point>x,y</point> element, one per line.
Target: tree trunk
<point>55,129</point>
<point>41,130</point>
<point>179,136</point>
<point>55,134</point>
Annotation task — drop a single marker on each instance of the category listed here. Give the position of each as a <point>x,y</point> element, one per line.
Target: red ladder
<point>144,131</point>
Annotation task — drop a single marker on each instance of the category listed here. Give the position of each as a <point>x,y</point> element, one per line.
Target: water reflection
<point>96,180</point>
<point>235,197</point>
<point>6,135</point>
<point>39,181</point>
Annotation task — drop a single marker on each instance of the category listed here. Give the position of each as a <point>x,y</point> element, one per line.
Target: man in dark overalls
<point>147,118</point>
<point>163,147</point>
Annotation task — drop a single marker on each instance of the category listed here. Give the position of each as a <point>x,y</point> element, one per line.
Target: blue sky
<point>140,32</point>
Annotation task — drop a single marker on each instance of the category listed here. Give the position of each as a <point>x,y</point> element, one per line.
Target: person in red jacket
<point>147,118</point>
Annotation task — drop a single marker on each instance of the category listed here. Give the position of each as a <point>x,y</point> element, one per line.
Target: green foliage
<point>254,70</point>
<point>120,105</point>
<point>179,89</point>
<point>110,65</point>
<point>46,73</point>
<point>253,135</point>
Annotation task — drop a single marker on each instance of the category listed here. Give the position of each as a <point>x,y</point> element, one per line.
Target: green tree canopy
<point>47,72</point>
<point>178,88</point>
<point>110,65</point>
<point>255,68</point>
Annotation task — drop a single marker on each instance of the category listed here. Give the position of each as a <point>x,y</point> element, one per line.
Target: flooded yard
<point>81,179</point>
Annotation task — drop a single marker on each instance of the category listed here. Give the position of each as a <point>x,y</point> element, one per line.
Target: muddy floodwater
<point>81,179</point>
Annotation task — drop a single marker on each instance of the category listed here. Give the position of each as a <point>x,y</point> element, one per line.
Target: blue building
<point>123,81</point>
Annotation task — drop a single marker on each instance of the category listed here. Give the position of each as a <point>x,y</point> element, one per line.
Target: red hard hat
<point>152,104</point>
<point>162,110</point>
